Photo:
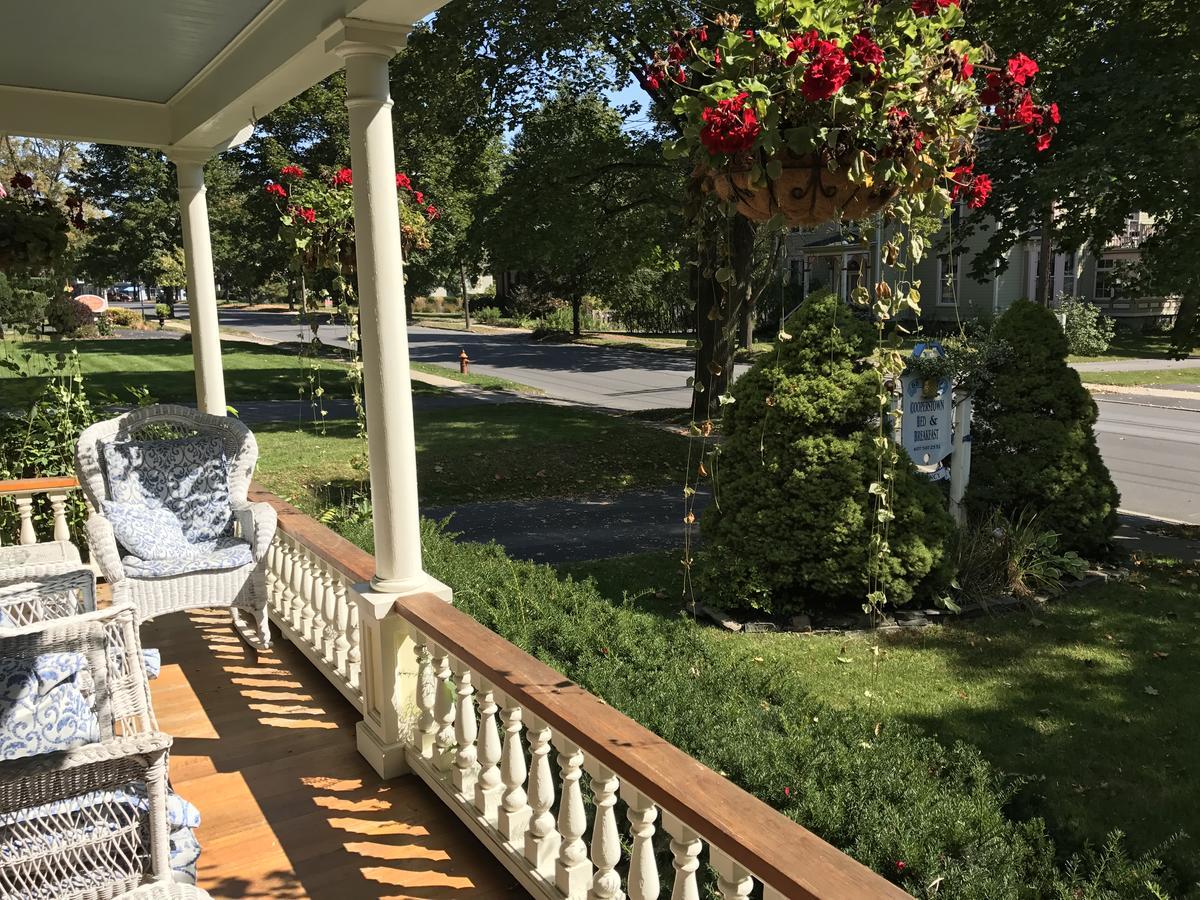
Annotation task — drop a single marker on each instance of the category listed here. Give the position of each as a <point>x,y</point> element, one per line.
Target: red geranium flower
<point>291,172</point>
<point>1043,141</point>
<point>748,34</point>
<point>826,74</point>
<point>1053,113</point>
<point>864,51</point>
<point>676,53</point>
<point>420,198</point>
<point>403,181</point>
<point>653,78</point>
<point>901,865</point>
<point>276,190</point>
<point>1021,68</point>
<point>729,127</point>
<point>960,179</point>
<point>1024,114</point>
<point>681,76</point>
<point>432,212</point>
<point>343,178</point>
<point>308,214</point>
<point>981,189</point>
<point>930,7</point>
<point>800,44</point>
<point>965,68</point>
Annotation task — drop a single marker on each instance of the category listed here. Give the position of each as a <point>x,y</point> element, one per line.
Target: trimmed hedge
<point>793,524</point>
<point>1033,444</point>
<point>884,798</point>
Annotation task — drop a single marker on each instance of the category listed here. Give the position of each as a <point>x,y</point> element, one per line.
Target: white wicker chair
<point>241,589</point>
<point>63,831</point>
<point>35,585</point>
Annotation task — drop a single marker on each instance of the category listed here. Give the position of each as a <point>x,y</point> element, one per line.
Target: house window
<point>1106,286</point>
<point>947,282</point>
<point>1068,282</point>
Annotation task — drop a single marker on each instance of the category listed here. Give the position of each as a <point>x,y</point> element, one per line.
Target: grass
<point>1090,700</point>
<point>485,452</point>
<point>1144,377</point>
<point>252,371</point>
<point>1127,345</point>
<point>485,382</point>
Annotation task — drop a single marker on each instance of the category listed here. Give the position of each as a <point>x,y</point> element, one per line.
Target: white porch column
<point>201,284</point>
<point>389,670</point>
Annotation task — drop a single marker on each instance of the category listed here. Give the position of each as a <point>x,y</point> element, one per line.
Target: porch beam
<point>201,283</point>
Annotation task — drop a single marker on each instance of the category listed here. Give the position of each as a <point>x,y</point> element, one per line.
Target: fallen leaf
<point>845,659</point>
<point>1151,691</point>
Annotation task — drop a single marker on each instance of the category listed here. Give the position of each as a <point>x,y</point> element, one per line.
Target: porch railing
<point>23,492</point>
<point>478,720</point>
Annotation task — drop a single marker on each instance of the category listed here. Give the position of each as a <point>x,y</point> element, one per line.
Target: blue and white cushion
<point>219,555</point>
<point>147,532</point>
<point>45,704</point>
<point>189,477</point>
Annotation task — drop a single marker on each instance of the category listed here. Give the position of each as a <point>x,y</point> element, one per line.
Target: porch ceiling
<point>174,73</point>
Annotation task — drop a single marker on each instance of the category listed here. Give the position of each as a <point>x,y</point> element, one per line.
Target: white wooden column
<point>390,675</point>
<point>201,284</point>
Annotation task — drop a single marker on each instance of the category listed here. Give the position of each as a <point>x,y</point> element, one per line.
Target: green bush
<point>120,317</point>
<point>21,310</point>
<point>793,524</point>
<point>1033,445</point>
<point>68,316</point>
<point>489,315</point>
<point>1088,331</point>
<point>883,794</point>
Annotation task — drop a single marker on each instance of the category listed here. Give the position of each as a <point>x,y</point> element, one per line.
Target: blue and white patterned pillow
<point>45,705</point>
<point>189,477</point>
<point>147,532</point>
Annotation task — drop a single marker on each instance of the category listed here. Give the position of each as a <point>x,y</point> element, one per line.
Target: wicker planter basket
<point>807,193</point>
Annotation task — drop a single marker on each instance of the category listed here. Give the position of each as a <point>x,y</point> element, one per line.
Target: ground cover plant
<point>933,816</point>
<point>1084,702</point>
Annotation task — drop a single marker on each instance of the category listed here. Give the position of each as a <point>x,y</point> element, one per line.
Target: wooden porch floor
<point>264,747</point>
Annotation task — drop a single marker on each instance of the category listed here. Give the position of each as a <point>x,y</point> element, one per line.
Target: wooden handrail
<point>38,485</point>
<point>785,855</point>
<point>351,560</point>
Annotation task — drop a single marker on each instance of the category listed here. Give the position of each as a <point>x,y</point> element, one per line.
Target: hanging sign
<point>926,423</point>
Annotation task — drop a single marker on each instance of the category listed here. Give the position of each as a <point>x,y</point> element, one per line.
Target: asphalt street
<point>1153,451</point>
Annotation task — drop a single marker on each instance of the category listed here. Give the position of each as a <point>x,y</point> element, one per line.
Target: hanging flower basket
<point>808,191</point>
<point>33,231</point>
<point>820,110</point>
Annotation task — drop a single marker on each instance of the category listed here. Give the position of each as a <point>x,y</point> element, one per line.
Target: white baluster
<point>354,653</point>
<point>465,732</point>
<point>286,607</point>
<point>341,640</point>
<point>489,788</point>
<point>643,870</point>
<point>58,503</point>
<point>542,839</point>
<point>734,881</point>
<point>513,817</point>
<point>328,614</point>
<point>427,685</point>
<point>304,594</point>
<point>573,871</point>
<point>685,852</point>
<point>443,712</point>
<point>25,511</point>
<point>606,836</point>
<point>272,574</point>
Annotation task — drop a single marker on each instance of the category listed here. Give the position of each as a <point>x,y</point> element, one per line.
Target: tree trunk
<point>746,338</point>
<point>1044,291</point>
<point>577,316</point>
<point>462,271</point>
<point>718,313</point>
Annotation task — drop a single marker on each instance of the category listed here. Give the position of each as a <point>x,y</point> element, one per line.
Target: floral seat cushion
<point>222,554</point>
<point>189,477</point>
<point>45,704</point>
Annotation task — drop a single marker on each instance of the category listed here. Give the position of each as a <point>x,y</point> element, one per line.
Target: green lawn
<point>1127,345</point>
<point>1144,377</point>
<point>1091,700</point>
<point>465,453</point>
<point>252,371</point>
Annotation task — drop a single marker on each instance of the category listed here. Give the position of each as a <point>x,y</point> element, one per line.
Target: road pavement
<point>1153,451</point>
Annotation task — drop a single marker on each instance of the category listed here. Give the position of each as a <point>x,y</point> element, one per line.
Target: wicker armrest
<point>257,522</point>
<point>105,765</point>
<point>103,545</point>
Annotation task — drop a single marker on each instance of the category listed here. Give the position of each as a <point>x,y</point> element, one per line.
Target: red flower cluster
<point>827,72</point>
<point>863,51</point>
<point>1009,92</point>
<point>343,178</point>
<point>965,67</point>
<point>800,44</point>
<point>22,181</point>
<point>276,190</point>
<point>976,188</point>
<point>306,213</point>
<point>290,171</point>
<point>930,7</point>
<point>403,181</point>
<point>729,127</point>
<point>432,212</point>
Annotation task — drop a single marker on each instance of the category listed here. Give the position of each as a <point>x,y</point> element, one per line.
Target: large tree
<point>1125,74</point>
<point>581,203</point>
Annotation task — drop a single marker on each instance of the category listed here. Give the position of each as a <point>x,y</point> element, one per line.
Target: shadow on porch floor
<point>264,746</point>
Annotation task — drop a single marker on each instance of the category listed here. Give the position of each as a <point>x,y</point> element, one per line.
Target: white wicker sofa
<point>180,469</point>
